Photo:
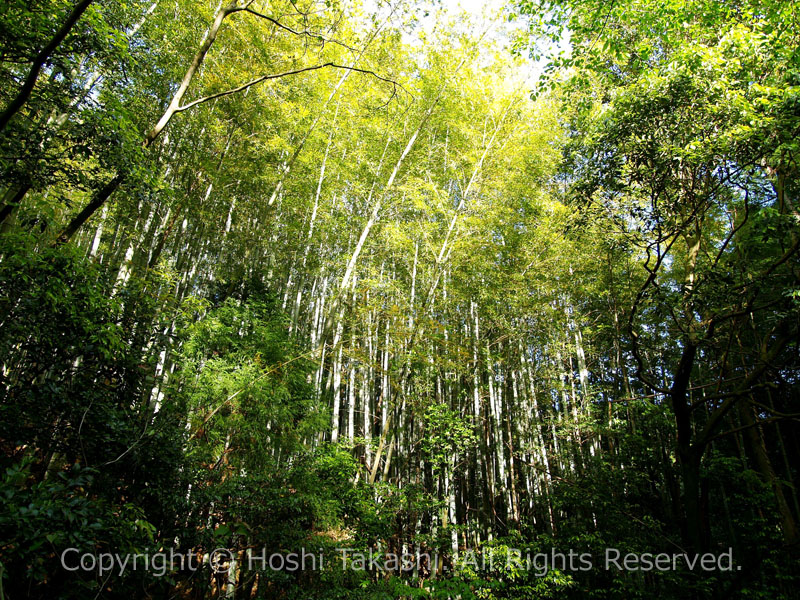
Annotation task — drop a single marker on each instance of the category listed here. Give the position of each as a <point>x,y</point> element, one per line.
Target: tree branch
<point>714,419</point>
<point>41,58</point>
<point>744,428</point>
<point>310,34</point>
<point>632,317</point>
<point>263,78</point>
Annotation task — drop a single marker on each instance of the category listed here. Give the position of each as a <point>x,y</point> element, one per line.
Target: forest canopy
<point>331,299</point>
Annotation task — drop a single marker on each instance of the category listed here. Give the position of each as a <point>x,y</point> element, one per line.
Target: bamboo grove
<point>324,275</point>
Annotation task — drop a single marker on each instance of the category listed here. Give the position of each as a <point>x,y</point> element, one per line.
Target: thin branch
<point>746,310</point>
<point>778,415</point>
<point>746,427</point>
<point>310,34</point>
<point>233,396</point>
<point>131,447</point>
<point>632,317</point>
<point>591,492</point>
<point>715,417</point>
<point>285,74</point>
<point>734,230</point>
<point>38,63</point>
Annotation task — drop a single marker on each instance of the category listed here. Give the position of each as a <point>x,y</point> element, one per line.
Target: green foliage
<point>43,520</point>
<point>446,435</point>
<point>66,349</point>
<point>550,325</point>
<point>243,379</point>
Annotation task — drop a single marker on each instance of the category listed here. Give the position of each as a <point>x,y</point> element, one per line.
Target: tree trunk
<point>41,58</point>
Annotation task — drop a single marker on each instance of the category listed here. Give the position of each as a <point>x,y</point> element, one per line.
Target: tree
<point>683,155</point>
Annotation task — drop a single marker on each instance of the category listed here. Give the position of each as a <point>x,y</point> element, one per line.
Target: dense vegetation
<point>305,275</point>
